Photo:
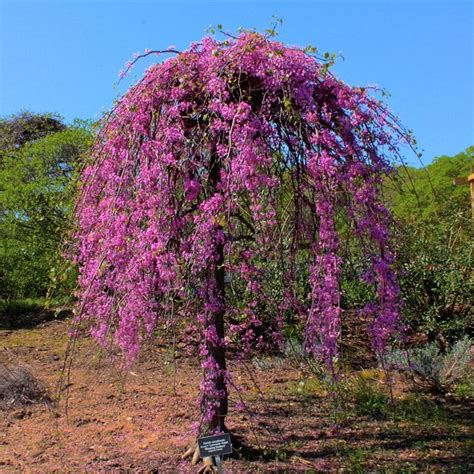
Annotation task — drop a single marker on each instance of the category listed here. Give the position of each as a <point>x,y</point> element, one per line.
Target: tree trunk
<point>214,402</point>
<point>214,397</point>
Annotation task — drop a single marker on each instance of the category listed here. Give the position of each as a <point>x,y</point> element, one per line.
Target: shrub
<point>430,368</point>
<point>435,275</point>
<point>369,398</point>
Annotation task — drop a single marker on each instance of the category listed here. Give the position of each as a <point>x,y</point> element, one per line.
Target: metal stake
<point>219,464</point>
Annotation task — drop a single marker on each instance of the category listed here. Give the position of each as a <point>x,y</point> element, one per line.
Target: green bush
<point>436,279</point>
<point>432,369</point>
<point>36,198</point>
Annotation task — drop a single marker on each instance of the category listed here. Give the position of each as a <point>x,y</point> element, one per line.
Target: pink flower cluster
<point>246,151</point>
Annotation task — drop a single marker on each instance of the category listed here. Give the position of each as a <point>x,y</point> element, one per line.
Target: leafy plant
<point>433,369</point>
<point>36,197</point>
<point>427,194</point>
<point>416,408</point>
<point>435,246</point>
<point>436,279</point>
<point>369,399</point>
<point>356,460</point>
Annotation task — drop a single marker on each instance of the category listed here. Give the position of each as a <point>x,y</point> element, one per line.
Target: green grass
<point>29,312</point>
<point>23,305</point>
<point>356,460</point>
<point>415,407</point>
<point>465,388</point>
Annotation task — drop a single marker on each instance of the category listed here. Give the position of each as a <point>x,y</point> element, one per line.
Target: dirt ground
<point>144,421</point>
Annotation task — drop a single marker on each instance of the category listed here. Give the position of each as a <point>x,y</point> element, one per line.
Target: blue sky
<point>64,56</point>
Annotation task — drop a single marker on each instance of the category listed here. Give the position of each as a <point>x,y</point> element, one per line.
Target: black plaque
<point>217,445</point>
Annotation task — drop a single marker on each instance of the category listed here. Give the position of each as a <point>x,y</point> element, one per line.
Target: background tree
<point>17,130</point>
<point>427,194</point>
<point>235,158</point>
<point>435,247</point>
<point>36,198</point>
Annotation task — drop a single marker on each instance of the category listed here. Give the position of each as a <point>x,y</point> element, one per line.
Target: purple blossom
<point>194,162</point>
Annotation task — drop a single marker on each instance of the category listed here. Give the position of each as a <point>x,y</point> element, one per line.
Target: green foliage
<point>417,408</point>
<point>25,305</point>
<point>436,278</point>
<point>433,369</point>
<point>428,194</point>
<point>36,197</point>
<point>356,460</point>
<point>354,291</point>
<point>433,235</point>
<point>360,395</point>
<point>465,387</point>
<point>369,399</point>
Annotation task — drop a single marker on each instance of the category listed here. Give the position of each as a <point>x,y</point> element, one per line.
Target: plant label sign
<point>213,446</point>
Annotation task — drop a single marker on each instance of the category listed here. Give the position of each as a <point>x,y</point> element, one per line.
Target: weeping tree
<point>230,171</point>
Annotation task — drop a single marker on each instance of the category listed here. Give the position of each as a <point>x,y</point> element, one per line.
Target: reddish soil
<point>144,423</point>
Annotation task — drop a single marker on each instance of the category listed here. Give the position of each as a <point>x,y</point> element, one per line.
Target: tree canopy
<point>19,129</point>
<point>36,198</point>
<point>428,193</point>
<point>435,246</point>
<point>215,175</point>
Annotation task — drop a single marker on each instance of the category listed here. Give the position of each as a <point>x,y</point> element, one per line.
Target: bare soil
<point>142,421</point>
